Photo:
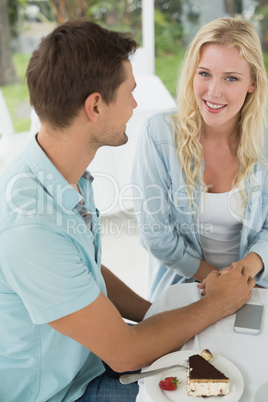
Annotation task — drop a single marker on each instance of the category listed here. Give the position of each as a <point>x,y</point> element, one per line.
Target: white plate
<point>180,394</point>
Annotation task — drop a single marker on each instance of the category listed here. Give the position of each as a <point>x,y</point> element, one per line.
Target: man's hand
<point>203,284</point>
<point>231,289</point>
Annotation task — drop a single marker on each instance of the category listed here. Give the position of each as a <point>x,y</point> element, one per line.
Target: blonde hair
<point>229,32</point>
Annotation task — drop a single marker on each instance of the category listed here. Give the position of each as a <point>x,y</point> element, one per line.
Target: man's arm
<point>101,329</point>
<point>129,304</point>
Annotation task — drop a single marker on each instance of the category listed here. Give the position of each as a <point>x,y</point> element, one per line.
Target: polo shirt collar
<point>50,178</point>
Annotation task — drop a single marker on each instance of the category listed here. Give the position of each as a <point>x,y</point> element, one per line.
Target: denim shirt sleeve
<point>152,186</point>
<point>254,237</point>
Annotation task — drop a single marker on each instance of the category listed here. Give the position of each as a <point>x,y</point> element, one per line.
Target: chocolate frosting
<point>201,369</point>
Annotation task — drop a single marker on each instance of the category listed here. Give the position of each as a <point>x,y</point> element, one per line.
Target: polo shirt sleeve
<point>44,268</point>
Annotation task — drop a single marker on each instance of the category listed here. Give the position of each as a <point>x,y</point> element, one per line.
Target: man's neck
<point>67,151</point>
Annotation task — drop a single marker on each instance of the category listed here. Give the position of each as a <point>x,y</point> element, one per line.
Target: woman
<point>201,191</point>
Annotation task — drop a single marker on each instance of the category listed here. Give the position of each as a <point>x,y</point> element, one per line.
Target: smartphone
<point>248,319</point>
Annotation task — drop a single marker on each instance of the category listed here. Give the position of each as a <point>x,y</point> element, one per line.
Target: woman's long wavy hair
<point>188,121</point>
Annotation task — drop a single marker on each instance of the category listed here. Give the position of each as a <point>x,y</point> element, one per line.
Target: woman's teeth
<point>213,106</point>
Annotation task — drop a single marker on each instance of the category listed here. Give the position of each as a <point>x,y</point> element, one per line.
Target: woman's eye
<point>232,79</point>
<point>204,74</point>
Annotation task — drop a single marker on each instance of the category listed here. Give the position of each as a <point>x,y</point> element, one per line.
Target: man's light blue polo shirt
<point>49,268</point>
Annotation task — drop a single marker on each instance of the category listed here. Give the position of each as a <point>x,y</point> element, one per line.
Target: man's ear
<point>93,105</point>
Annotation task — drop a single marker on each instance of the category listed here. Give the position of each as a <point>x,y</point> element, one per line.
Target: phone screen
<point>248,319</point>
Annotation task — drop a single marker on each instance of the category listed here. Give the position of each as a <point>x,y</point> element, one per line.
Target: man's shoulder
<point>19,194</point>
<point>18,176</point>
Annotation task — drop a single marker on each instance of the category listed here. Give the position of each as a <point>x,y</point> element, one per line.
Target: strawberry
<point>169,384</point>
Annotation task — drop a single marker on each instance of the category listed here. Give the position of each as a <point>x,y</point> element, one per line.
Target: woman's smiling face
<point>221,83</point>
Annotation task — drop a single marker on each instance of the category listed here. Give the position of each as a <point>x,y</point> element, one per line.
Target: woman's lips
<point>213,107</point>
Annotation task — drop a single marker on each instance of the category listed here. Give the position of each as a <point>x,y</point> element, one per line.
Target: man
<point>61,310</point>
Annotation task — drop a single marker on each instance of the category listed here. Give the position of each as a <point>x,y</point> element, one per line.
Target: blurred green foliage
<point>167,68</point>
<point>17,95</point>
<point>14,7</point>
<point>168,36</point>
<point>262,16</point>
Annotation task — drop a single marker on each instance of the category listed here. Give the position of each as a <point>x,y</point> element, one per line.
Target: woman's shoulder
<point>159,134</point>
<point>160,127</point>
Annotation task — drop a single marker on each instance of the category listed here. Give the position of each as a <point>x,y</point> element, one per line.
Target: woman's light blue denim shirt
<point>168,224</point>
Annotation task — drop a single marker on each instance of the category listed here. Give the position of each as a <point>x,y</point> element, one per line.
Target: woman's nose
<point>215,88</point>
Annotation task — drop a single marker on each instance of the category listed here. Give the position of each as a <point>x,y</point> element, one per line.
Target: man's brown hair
<point>78,58</point>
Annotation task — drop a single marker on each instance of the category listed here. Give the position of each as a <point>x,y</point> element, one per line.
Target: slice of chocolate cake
<point>203,379</point>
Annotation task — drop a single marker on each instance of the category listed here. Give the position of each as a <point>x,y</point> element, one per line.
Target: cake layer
<point>208,389</point>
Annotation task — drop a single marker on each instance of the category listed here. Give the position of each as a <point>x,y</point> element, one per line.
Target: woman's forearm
<point>253,263</point>
<point>204,269</point>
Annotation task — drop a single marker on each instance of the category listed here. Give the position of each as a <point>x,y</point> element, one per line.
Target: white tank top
<point>220,224</point>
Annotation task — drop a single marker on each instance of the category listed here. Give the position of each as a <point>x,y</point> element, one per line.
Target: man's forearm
<point>169,331</point>
<point>129,304</point>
